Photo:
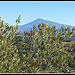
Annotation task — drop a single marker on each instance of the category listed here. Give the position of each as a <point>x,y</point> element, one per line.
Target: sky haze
<point>57,11</point>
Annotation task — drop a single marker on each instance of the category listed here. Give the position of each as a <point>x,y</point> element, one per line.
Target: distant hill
<point>38,21</point>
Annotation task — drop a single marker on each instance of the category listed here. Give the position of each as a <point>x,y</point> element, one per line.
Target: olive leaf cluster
<point>9,58</point>
<point>41,50</point>
<point>47,51</point>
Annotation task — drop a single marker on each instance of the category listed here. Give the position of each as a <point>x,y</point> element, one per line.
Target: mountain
<point>38,21</point>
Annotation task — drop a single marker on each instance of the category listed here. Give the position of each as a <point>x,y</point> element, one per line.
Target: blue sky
<point>57,11</point>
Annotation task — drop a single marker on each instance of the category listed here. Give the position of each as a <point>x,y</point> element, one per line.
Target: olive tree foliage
<point>48,53</point>
<point>41,50</point>
<point>8,52</point>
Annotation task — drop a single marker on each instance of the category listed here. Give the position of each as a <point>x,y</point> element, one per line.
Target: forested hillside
<point>39,51</point>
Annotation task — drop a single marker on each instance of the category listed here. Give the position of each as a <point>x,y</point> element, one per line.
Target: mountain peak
<point>39,19</point>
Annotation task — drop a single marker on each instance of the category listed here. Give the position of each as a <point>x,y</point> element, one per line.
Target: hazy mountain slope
<point>29,26</point>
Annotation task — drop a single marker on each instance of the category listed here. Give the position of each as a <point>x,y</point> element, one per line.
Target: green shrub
<point>48,53</point>
<point>42,50</point>
<point>9,57</point>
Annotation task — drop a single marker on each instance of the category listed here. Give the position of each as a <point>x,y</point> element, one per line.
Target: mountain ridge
<point>38,21</point>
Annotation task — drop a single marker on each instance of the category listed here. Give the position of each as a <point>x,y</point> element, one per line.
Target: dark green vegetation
<point>41,51</point>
